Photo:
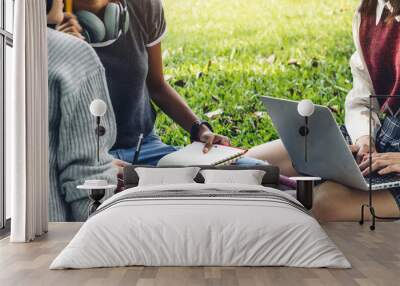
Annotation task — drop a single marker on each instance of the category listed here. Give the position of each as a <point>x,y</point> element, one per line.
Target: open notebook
<point>193,155</point>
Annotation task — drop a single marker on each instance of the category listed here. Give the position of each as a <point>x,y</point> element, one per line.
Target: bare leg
<point>335,202</point>
<point>332,201</point>
<point>275,153</point>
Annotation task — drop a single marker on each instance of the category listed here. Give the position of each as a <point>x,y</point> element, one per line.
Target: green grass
<point>218,56</point>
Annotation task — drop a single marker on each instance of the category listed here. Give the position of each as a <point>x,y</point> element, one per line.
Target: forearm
<point>357,120</point>
<point>172,104</point>
<point>164,96</point>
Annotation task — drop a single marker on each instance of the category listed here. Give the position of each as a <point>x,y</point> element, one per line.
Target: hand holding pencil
<point>70,24</point>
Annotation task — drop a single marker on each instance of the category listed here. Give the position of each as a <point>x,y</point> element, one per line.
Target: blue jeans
<point>153,149</point>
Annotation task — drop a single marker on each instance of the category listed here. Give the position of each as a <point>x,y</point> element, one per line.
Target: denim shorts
<point>387,140</point>
<point>153,149</point>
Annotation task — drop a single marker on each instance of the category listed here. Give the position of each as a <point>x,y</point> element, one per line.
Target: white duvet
<point>238,228</point>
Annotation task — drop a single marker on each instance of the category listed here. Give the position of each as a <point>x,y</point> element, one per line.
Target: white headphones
<point>104,32</point>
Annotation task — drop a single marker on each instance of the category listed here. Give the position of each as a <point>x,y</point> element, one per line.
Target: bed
<point>198,224</point>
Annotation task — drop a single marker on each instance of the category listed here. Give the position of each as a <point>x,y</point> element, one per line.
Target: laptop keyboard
<point>386,179</point>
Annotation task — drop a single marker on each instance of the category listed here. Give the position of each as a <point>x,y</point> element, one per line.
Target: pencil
<point>138,148</point>
<point>68,6</point>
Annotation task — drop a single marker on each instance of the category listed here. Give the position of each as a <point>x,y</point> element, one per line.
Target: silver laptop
<point>329,156</point>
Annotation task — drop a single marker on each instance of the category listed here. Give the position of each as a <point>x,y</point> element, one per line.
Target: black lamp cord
<point>98,138</point>
<point>305,140</point>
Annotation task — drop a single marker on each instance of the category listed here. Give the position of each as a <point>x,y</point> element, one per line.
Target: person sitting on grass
<point>134,69</point>
<point>376,71</point>
<point>135,78</point>
<point>75,78</point>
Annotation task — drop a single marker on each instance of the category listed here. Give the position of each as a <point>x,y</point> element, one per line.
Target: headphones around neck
<point>101,33</point>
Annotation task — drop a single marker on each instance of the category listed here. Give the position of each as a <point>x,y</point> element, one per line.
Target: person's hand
<point>209,138</point>
<point>71,26</point>
<point>120,165</point>
<point>384,163</point>
<point>361,148</point>
<point>56,15</point>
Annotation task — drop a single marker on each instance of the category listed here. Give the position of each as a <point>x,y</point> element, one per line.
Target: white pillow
<point>166,176</point>
<point>247,177</point>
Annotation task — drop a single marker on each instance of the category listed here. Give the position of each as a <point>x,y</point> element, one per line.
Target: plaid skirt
<point>387,140</point>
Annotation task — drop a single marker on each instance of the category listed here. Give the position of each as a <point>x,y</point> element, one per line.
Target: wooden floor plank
<point>375,257</point>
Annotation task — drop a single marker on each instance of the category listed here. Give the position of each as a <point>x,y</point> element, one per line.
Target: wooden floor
<point>375,257</point>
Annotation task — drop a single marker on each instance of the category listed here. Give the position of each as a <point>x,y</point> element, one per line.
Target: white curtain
<point>27,124</point>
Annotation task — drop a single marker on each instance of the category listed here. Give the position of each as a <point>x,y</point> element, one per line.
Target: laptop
<point>329,155</point>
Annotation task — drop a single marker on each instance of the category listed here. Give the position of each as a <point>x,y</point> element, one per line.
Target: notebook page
<point>193,155</point>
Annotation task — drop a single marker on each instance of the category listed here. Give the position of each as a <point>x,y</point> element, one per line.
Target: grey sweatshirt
<point>76,77</point>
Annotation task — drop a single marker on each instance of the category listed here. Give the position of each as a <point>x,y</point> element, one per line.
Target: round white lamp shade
<point>306,108</point>
<point>98,107</point>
